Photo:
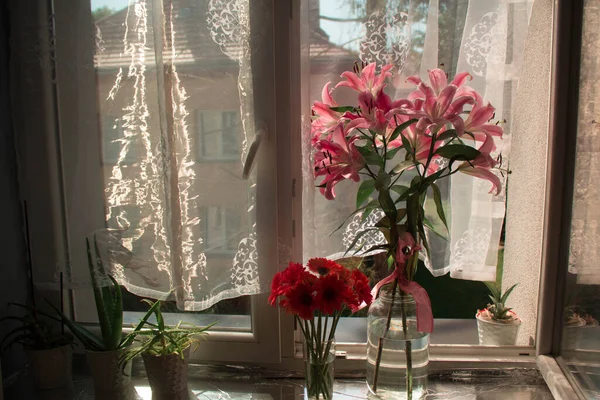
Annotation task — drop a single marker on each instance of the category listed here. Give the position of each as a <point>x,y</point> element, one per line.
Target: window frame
<point>60,215</point>
<point>44,142</point>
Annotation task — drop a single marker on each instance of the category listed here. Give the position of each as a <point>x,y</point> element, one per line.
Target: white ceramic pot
<point>167,375</point>
<point>108,376</point>
<point>51,369</point>
<point>493,333</point>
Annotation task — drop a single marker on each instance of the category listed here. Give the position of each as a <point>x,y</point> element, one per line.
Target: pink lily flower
<point>326,119</point>
<point>337,158</point>
<point>481,166</point>
<point>441,103</point>
<point>477,121</point>
<point>375,112</point>
<point>367,80</point>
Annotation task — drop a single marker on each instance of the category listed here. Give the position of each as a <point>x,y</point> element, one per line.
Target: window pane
<point>172,96</point>
<point>581,333</point>
<point>416,36</point>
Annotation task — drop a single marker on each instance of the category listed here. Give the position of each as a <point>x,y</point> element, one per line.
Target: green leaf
<point>406,144</point>
<point>389,154</point>
<point>493,288</point>
<point>387,204</point>
<point>117,316</point>
<point>423,238</point>
<point>400,128</point>
<point>370,156</point>
<point>400,168</point>
<point>383,222</point>
<point>437,198</point>
<point>357,238</point>
<point>400,189</point>
<point>458,152</point>
<point>101,295</point>
<point>372,206</point>
<point>507,293</point>
<point>89,340</point>
<point>377,247</point>
<point>350,216</point>
<point>447,134</point>
<point>365,189</point>
<point>131,336</point>
<point>383,181</point>
<point>343,109</point>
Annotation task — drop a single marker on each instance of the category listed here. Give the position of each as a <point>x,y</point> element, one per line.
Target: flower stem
<point>407,351</point>
<point>380,343</point>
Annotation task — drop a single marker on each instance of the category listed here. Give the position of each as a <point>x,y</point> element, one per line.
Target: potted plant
<point>49,352</point>
<point>497,324</point>
<point>103,351</point>
<point>165,351</point>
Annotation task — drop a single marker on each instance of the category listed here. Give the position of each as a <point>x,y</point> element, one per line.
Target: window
<point>182,137</point>
<point>114,142</point>
<point>578,324</point>
<point>218,133</point>
<point>223,229</point>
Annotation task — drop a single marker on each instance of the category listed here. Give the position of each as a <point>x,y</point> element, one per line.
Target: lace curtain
<point>176,111</point>
<point>484,38</point>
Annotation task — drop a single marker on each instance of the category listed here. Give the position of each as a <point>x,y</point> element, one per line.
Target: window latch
<point>252,151</point>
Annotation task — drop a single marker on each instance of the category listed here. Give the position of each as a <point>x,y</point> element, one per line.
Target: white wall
<point>527,183</point>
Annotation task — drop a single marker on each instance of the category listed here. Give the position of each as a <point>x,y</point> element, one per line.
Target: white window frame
<point>63,190</point>
<point>52,90</point>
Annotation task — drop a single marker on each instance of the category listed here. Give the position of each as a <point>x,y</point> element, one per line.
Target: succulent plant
<point>159,339</point>
<point>109,304</point>
<point>497,310</point>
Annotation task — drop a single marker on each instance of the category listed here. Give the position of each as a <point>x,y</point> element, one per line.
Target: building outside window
<point>218,135</point>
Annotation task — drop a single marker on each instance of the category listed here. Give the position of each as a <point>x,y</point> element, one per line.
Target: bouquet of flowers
<point>440,129</point>
<point>317,296</point>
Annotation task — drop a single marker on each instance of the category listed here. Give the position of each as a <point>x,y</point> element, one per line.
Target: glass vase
<point>319,360</point>
<point>397,354</point>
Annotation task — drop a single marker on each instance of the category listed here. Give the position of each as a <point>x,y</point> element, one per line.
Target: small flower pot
<point>51,369</point>
<point>495,333</point>
<point>167,375</point>
<point>108,376</point>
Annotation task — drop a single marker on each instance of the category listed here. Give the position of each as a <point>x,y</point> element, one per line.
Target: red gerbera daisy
<point>287,279</point>
<point>300,300</point>
<point>276,288</point>
<point>360,286</point>
<point>323,266</point>
<point>332,293</point>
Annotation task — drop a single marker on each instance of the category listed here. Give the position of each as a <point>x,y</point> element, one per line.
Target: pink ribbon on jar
<point>424,313</point>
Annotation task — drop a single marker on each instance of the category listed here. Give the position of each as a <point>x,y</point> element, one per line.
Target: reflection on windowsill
<point>446,331</point>
<point>238,383</point>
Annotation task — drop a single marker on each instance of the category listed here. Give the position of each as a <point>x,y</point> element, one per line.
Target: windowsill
<point>227,323</point>
<point>215,382</point>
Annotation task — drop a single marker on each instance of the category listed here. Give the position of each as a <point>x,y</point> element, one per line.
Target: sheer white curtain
<point>176,93</point>
<point>484,38</point>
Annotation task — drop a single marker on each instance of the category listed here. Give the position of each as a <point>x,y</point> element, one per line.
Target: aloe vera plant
<point>109,304</point>
<point>160,339</point>
<point>33,332</point>
<point>497,309</point>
